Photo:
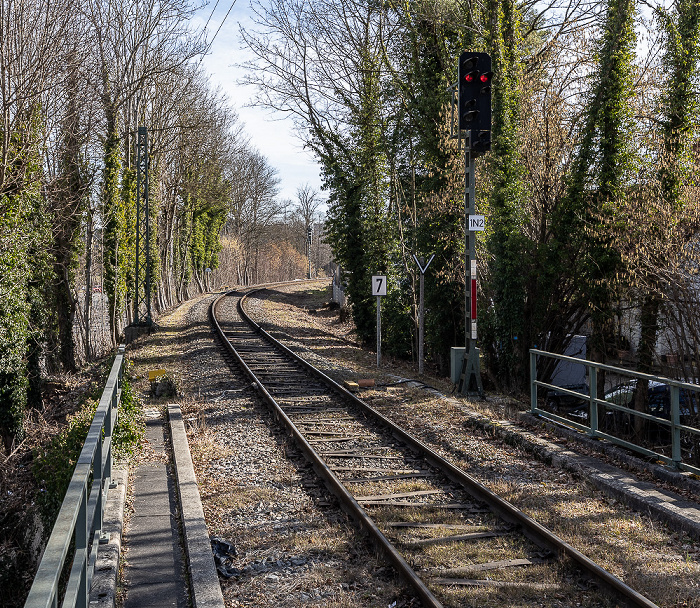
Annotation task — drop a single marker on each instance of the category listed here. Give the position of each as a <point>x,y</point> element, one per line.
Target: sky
<point>274,138</point>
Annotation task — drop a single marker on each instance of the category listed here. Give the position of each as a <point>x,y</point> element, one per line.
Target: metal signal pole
<point>474,117</point>
<point>470,377</point>
<point>309,242</point>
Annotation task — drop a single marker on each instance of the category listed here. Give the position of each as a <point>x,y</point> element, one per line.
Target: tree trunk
<point>89,354</point>
<point>649,329</point>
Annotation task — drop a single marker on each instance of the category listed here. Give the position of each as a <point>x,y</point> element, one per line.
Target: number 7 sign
<point>378,285</point>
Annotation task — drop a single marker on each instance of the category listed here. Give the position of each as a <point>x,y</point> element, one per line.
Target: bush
<point>54,463</point>
<point>130,424</point>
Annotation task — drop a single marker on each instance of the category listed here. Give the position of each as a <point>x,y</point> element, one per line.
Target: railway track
<point>443,531</point>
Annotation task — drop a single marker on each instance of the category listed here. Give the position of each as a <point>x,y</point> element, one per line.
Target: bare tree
<point>253,208</point>
<point>308,201</point>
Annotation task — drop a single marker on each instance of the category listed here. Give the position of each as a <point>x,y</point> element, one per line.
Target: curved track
<point>399,489</point>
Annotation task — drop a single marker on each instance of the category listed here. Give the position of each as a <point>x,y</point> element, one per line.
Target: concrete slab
<point>154,570</point>
<point>153,595</point>
<point>151,491</point>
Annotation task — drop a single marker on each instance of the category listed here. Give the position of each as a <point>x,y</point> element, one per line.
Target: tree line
<point>589,191</point>
<point>77,79</point>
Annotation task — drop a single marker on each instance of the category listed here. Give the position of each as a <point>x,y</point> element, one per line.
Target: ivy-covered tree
<point>429,168</point>
<point>358,213</point>
<point>506,327</point>
<point>679,113</point>
<point>21,211</point>
<point>590,220</point>
<point>113,214</point>
<point>67,201</point>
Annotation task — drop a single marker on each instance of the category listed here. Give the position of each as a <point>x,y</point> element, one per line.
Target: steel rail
<point>508,512</point>
<point>347,501</point>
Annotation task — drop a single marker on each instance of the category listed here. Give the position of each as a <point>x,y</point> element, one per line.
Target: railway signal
<point>474,107</point>
<point>474,103</point>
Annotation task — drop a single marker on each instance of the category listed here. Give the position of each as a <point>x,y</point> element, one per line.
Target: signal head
<point>469,63</point>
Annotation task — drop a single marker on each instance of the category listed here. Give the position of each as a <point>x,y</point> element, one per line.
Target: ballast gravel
<point>294,545</point>
<point>656,560</point>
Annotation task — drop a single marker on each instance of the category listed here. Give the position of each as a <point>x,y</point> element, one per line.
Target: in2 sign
<point>476,222</point>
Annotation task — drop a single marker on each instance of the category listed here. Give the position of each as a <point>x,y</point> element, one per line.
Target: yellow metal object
<point>156,373</point>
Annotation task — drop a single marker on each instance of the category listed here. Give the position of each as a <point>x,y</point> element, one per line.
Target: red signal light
<point>484,78</point>
<point>471,76</point>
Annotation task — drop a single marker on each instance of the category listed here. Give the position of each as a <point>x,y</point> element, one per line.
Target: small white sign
<point>476,223</point>
<point>378,285</point>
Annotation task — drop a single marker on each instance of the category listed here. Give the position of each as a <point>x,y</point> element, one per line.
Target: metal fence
<point>596,410</point>
<point>80,517</point>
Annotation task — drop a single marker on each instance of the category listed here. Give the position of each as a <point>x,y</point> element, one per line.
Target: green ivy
<point>54,463</point>
<point>114,221</point>
<point>22,238</point>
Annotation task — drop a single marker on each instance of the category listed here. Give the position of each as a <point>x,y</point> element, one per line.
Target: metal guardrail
<point>674,423</point>
<point>80,517</point>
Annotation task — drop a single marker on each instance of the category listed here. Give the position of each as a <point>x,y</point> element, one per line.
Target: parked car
<point>569,375</point>
<point>659,399</point>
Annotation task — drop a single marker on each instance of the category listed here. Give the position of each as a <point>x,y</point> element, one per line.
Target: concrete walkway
<point>154,565</point>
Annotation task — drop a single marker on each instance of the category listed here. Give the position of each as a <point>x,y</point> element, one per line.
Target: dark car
<point>659,404</point>
<point>659,399</point>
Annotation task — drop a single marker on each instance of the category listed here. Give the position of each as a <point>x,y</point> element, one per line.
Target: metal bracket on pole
<point>421,307</point>
<point>470,376</point>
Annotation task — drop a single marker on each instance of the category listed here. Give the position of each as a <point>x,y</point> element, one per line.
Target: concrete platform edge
<point>204,581</point>
<point>103,591</point>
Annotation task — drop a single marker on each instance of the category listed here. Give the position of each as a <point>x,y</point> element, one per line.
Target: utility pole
<point>142,291</point>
